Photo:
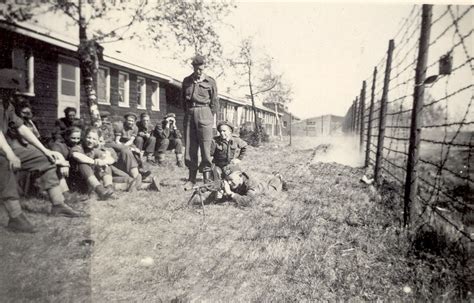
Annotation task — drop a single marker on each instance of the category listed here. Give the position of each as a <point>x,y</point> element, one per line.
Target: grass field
<point>330,237</point>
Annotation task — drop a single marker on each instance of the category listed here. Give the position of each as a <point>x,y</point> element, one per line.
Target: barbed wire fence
<point>415,118</point>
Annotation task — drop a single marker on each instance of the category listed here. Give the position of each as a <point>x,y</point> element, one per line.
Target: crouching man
<point>169,138</point>
<point>29,156</point>
<point>227,148</point>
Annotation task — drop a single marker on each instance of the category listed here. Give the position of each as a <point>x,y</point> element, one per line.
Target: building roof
<point>66,42</point>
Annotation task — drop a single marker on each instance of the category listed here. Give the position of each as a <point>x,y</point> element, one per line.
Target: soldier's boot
<point>191,180</point>
<point>179,160</point>
<point>21,224</point>
<point>65,211</point>
<point>160,158</point>
<point>134,184</point>
<point>102,192</point>
<point>155,184</point>
<point>207,175</point>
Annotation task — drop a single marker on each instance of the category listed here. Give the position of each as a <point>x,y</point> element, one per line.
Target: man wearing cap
<point>145,141</point>
<point>227,148</point>
<point>169,138</point>
<point>32,156</point>
<point>200,101</point>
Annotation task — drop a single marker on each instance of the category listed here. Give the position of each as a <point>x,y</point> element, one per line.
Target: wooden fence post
<point>362,115</point>
<point>356,114</point>
<point>352,117</point>
<point>369,124</point>
<point>353,113</point>
<point>383,113</point>
<point>411,185</point>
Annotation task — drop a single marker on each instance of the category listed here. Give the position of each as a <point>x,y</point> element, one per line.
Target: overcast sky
<point>324,49</point>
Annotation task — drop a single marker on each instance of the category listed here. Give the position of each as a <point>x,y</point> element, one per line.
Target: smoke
<point>340,149</point>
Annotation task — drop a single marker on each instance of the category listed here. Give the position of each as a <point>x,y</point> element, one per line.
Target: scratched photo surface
<point>236,151</point>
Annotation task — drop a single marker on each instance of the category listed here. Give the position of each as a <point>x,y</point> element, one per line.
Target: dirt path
<point>327,238</point>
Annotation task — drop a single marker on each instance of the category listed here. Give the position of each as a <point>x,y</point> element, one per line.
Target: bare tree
<point>260,78</point>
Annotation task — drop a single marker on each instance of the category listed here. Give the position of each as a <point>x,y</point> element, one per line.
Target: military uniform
<point>223,151</point>
<point>168,139</point>
<point>144,142</point>
<point>31,158</point>
<point>201,102</point>
<point>125,159</point>
<point>126,133</point>
<point>88,170</point>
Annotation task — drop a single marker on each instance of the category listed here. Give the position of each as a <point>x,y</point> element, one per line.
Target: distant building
<point>318,126</point>
<point>285,116</point>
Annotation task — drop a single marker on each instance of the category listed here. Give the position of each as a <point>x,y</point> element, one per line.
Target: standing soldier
<point>169,137</point>
<point>200,101</point>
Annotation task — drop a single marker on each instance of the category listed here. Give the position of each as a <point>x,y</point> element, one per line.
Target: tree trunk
<point>279,124</point>
<point>89,64</point>
<point>257,130</point>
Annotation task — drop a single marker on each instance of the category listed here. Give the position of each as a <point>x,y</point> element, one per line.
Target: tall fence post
<point>411,184</point>
<point>362,115</point>
<point>369,123</point>
<point>356,118</point>
<point>353,117</point>
<point>383,113</point>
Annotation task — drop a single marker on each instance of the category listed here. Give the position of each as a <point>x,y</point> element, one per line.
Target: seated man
<point>239,188</point>
<point>169,137</point>
<point>226,148</point>
<point>126,160</point>
<point>32,156</point>
<point>145,141</point>
<point>91,164</point>
<point>67,121</point>
<point>24,111</point>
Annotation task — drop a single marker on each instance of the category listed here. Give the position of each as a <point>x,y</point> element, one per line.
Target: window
<point>155,96</point>
<point>123,89</point>
<point>103,85</point>
<point>285,123</point>
<point>23,60</point>
<point>68,84</point>
<point>310,122</point>
<point>141,93</point>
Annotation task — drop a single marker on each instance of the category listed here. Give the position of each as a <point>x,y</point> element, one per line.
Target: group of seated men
<point>100,156</point>
<point>151,142</point>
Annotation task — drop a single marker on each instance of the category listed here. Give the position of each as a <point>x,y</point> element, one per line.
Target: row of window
<point>69,80</point>
<point>103,90</point>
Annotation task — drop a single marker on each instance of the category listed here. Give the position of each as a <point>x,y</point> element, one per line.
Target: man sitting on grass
<point>89,160</point>
<point>239,188</point>
<point>29,155</point>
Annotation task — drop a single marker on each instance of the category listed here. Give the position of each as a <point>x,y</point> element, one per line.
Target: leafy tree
<point>193,24</point>
<point>193,27</point>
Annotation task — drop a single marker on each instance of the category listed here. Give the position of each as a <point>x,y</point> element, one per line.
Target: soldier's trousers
<point>167,144</point>
<point>32,160</point>
<point>126,160</point>
<point>146,144</point>
<point>198,123</point>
